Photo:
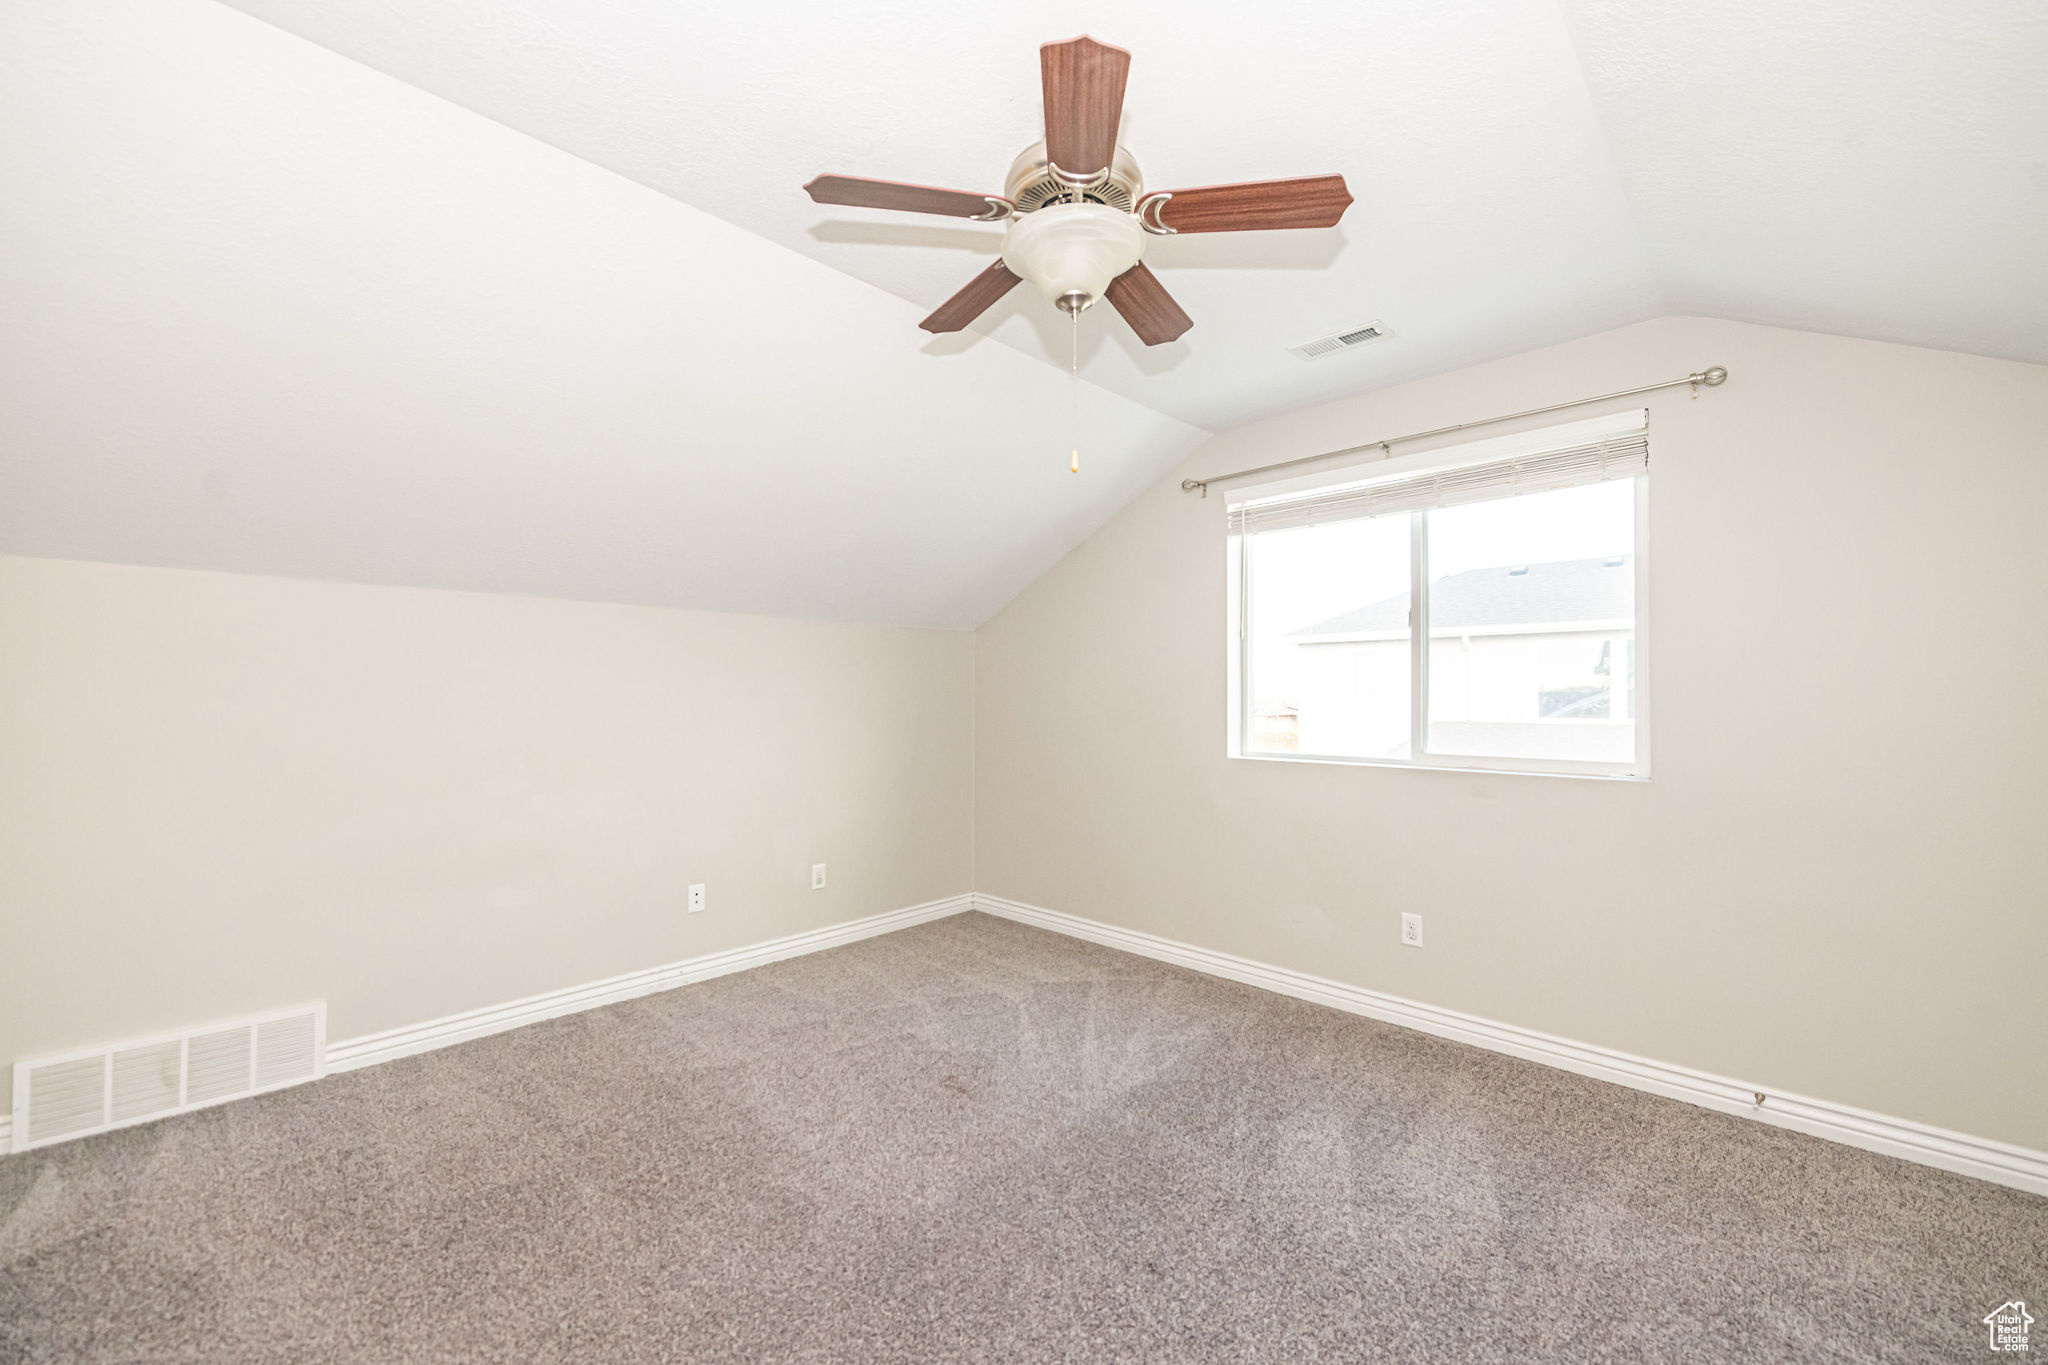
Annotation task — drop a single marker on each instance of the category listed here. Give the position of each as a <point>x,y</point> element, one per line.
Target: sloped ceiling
<point>1876,169</point>
<point>1489,218</point>
<point>269,311</point>
<point>1525,172</point>
<point>278,311</point>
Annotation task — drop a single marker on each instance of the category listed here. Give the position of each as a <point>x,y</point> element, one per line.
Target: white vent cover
<point>1342,341</point>
<point>145,1081</point>
<point>217,1064</point>
<point>77,1093</point>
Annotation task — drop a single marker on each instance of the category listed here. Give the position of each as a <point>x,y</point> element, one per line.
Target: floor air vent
<point>78,1093</point>
<point>1342,341</point>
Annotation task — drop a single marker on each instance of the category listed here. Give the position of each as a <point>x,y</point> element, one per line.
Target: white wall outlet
<point>1411,930</point>
<point>696,897</point>
<point>817,876</point>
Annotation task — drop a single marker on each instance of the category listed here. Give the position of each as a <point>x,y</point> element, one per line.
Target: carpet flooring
<point>977,1141</point>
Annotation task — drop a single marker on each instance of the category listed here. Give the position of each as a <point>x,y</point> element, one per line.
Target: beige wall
<point>223,794</point>
<point>1836,882</point>
<point>220,794</point>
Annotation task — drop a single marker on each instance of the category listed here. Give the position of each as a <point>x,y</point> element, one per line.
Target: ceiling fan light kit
<point>1078,211</point>
<point>1073,251</point>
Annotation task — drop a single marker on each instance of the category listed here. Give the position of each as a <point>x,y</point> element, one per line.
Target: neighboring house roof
<point>1506,595</point>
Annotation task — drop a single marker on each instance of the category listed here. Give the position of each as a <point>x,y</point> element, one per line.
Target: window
<point>1474,608</point>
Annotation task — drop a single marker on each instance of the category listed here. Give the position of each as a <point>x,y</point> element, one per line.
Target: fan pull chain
<point>1074,394</point>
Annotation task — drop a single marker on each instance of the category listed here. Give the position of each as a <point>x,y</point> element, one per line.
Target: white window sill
<point>1451,765</point>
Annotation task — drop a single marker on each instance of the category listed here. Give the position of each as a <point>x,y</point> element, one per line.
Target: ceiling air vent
<point>91,1091</point>
<point>1342,341</point>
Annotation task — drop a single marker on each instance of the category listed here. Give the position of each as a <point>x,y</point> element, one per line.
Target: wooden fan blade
<point>1145,304</point>
<point>971,302</point>
<point>888,194</point>
<point>1315,201</point>
<point>1084,102</point>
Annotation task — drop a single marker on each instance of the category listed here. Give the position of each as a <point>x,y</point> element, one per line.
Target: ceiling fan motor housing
<point>1072,251</point>
<point>1033,183</point>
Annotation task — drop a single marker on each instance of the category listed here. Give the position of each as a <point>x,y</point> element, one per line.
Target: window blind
<point>1622,455</point>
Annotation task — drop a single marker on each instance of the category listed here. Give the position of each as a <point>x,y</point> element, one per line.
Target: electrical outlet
<point>1411,930</point>
<point>696,897</point>
<point>817,876</point>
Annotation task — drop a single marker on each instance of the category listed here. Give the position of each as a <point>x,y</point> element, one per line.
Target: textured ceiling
<point>274,310</point>
<point>1522,174</point>
<point>271,312</point>
<point>1488,218</point>
<point>1877,169</point>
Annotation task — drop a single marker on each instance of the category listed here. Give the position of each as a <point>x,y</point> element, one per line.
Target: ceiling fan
<point>1078,211</point>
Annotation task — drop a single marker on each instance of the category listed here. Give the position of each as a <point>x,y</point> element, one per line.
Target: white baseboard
<point>372,1048</point>
<point>2001,1163</point>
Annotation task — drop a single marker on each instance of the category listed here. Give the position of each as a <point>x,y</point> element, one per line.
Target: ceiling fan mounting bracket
<point>999,208</point>
<point>1148,213</point>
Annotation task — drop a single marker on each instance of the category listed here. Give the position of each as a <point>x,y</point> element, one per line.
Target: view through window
<point>1531,614</point>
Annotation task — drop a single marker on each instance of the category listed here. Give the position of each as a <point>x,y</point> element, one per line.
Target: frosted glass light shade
<point>1073,248</point>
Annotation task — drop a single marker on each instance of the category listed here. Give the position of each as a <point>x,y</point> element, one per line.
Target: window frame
<point>1238,570</point>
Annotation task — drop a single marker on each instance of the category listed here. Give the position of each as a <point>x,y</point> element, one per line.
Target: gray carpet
<point>976,1141</point>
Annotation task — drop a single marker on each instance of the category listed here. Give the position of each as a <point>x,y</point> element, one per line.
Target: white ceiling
<point>1488,216</point>
<point>270,310</point>
<point>1877,168</point>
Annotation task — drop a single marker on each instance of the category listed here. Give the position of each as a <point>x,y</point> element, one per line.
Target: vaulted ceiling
<point>1489,217</point>
<point>1525,171</point>
<point>268,311</point>
<point>572,327</point>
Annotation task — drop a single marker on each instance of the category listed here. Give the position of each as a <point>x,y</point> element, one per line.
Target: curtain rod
<point>1713,376</point>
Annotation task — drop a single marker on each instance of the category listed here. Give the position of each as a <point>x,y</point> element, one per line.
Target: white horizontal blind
<point>1620,456</point>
